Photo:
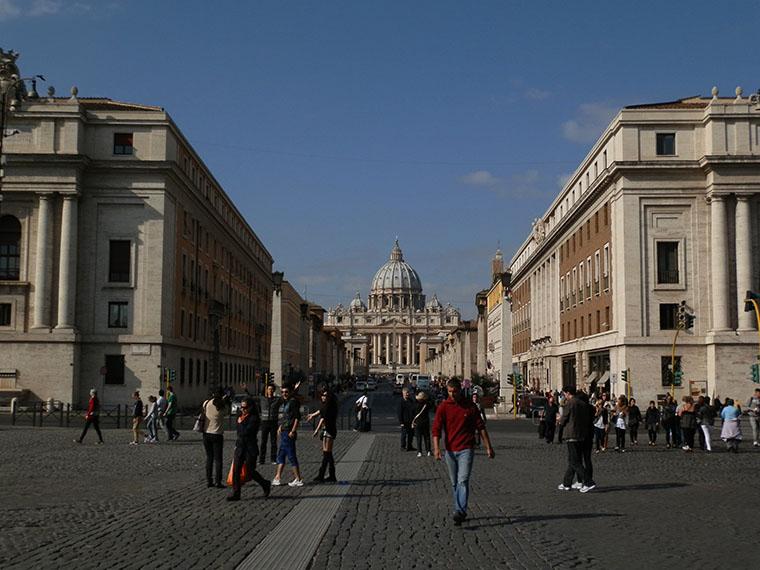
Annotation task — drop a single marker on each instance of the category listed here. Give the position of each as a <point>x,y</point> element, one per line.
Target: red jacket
<point>460,420</point>
<point>93,407</point>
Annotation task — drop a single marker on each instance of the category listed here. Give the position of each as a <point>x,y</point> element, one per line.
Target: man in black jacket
<point>406,411</point>
<point>575,421</point>
<point>269,404</point>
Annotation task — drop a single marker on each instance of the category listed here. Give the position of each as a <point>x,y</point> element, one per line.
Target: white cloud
<point>563,178</point>
<point>8,9</point>
<point>45,7</point>
<point>535,94</point>
<point>590,121</point>
<point>518,185</point>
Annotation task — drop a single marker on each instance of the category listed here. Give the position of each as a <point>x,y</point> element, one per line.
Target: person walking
<point>151,418</point>
<point>619,420</point>
<point>753,411</point>
<point>731,432</point>
<point>668,422</point>
<point>327,429</point>
<point>137,416</point>
<point>290,417</point>
<point>269,405</point>
<point>215,410</point>
<point>588,444</point>
<point>92,417</point>
<point>688,422</point>
<point>458,418</point>
<point>575,422</point>
<point>634,419</point>
<point>550,418</point>
<point>405,412</point>
<point>705,420</point>
<point>652,421</point>
<point>246,449</point>
<point>421,423</point>
<point>361,407</point>
<point>481,411</point>
<point>161,410</point>
<point>601,419</point>
<point>170,414</point>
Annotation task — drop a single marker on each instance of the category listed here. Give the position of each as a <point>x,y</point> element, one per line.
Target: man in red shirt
<point>459,419</point>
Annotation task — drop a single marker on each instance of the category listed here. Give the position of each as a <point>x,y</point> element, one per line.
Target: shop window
<point>10,240</point>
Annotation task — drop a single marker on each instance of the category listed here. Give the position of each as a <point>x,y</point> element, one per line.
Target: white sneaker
<point>296,483</point>
<point>276,483</point>
<point>562,487</point>
<point>429,454</point>
<point>576,485</point>
<point>585,489</point>
<point>419,454</point>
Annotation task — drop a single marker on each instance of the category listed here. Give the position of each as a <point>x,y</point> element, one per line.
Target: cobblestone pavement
<point>118,506</point>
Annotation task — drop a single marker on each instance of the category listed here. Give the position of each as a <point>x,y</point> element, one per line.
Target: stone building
<point>459,353</point>
<point>399,330</point>
<point>115,243</point>
<point>662,213</point>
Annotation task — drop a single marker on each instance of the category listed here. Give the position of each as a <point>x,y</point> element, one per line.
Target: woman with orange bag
<point>247,451</point>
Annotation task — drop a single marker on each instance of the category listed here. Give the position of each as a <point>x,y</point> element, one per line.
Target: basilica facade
<point>397,330</point>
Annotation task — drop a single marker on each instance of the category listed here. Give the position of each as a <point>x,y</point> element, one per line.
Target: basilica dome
<point>396,276</point>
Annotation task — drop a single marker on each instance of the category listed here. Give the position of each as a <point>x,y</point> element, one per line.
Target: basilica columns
<point>743,260</point>
<point>719,263</point>
<point>387,349</point>
<point>40,317</point>
<point>67,280</point>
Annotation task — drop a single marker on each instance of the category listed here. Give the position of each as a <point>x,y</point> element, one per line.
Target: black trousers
<point>652,434</point>
<point>551,428</point>
<point>423,434</point>
<point>406,437</point>
<point>619,438</point>
<point>633,429</point>
<point>688,436</point>
<point>245,457</point>
<point>574,463</point>
<point>268,432</point>
<point>588,467</point>
<point>93,421</point>
<point>171,433</point>
<point>213,443</point>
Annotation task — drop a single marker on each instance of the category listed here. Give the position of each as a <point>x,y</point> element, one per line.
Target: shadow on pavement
<point>640,487</point>
<point>391,482</point>
<point>506,520</point>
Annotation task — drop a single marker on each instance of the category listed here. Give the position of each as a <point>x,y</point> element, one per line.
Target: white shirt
<point>364,401</point>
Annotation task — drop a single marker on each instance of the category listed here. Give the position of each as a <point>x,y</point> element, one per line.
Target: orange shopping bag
<point>244,475</point>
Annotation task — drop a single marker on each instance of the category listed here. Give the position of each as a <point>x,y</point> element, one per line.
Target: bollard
<point>34,414</point>
<point>68,415</point>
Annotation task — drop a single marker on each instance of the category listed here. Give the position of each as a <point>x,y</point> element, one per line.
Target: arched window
<point>10,240</point>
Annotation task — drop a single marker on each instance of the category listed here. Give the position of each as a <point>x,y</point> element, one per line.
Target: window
<point>668,316</point>
<point>606,267</point>
<point>182,322</point>
<point>190,372</point>
<point>114,369</point>
<point>596,271</point>
<point>605,158</point>
<point>122,143</point>
<point>572,286</point>
<point>607,320</point>
<point>582,321</point>
<point>5,314</point>
<point>666,144</point>
<point>581,279</point>
<point>10,239</point>
<point>596,170</point>
<point>666,373</point>
<point>181,370</point>
<point>588,279</point>
<point>561,294</point>
<point>117,315</point>
<point>119,261</point>
<point>667,262</point>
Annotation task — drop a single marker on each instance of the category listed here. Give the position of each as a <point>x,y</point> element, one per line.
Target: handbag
<point>245,476</point>
<point>200,421</point>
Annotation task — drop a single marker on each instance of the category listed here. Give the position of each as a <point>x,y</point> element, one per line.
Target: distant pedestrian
<point>619,420</point>
<point>634,419</point>
<point>601,419</point>
<point>753,411</point>
<point>327,430</point>
<point>151,420</point>
<point>269,405</point>
<point>290,417</point>
<point>731,432</point>
<point>170,414</point>
<point>421,423</point>
<point>457,417</point>
<point>137,416</point>
<point>652,421</point>
<point>550,418</point>
<point>405,413</point>
<point>481,411</point>
<point>92,417</point>
<point>215,409</point>
<point>575,421</point>
<point>688,416</point>
<point>588,443</point>
<point>161,410</point>
<point>705,420</point>
<point>669,422</point>
<point>361,408</point>
<point>246,450</point>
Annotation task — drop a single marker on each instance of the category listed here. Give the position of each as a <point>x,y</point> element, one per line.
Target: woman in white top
<point>216,410</point>
<point>151,417</point>
<point>620,416</point>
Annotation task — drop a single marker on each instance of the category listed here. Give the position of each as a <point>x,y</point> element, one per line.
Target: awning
<point>604,378</point>
<point>591,377</point>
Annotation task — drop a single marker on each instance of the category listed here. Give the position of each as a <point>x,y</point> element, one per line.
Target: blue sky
<point>335,126</point>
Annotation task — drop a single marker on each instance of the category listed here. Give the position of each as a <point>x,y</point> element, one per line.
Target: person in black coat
<point>550,418</point>
<point>421,423</point>
<point>247,450</point>
<point>406,411</point>
<point>634,419</point>
<point>652,421</point>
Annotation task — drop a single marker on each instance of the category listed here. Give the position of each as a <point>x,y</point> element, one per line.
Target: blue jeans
<point>287,450</point>
<point>460,466</point>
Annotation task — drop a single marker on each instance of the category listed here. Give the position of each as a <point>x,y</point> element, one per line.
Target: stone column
<point>409,357</point>
<point>744,267</point>
<point>43,260</point>
<point>387,349</point>
<point>275,341</point>
<point>719,263</point>
<point>67,273</point>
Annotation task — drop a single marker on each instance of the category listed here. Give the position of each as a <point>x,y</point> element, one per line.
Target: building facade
<point>399,330</point>
<point>115,243</point>
<point>662,213</point>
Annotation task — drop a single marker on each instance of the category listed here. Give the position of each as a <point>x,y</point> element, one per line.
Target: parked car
<point>360,386</point>
<point>371,384</point>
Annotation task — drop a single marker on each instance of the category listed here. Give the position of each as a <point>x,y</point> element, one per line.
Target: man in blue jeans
<point>460,420</point>
<point>290,416</point>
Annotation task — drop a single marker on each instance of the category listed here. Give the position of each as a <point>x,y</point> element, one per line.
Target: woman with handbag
<point>210,423</point>
<point>620,418</point>
<point>247,451</point>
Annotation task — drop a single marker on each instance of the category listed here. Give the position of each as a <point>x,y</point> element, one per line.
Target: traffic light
<point>685,319</point>
<point>749,306</point>
<point>689,322</point>
<point>677,378</point>
<point>172,375</point>
<point>518,381</point>
<point>511,379</point>
<point>624,376</point>
<point>756,373</point>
